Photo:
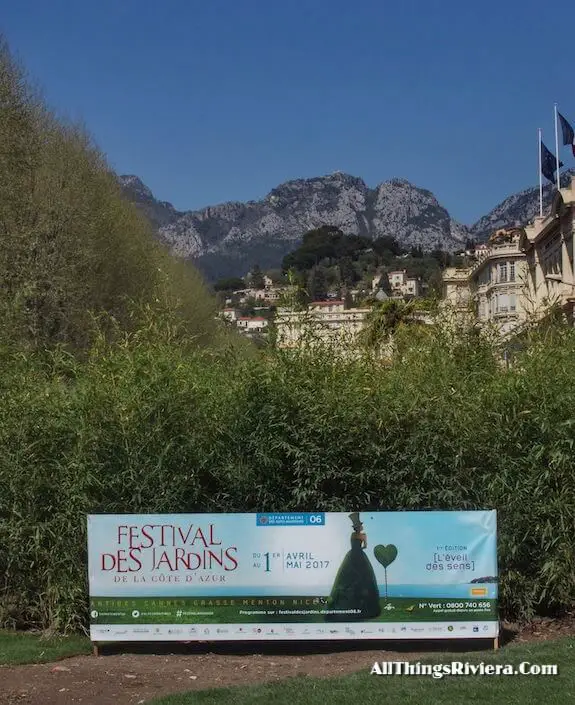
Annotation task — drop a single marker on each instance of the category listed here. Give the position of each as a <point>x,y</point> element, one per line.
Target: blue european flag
<point>549,164</point>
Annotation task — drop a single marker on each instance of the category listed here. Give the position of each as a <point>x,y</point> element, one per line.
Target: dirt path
<point>135,678</point>
<point>129,679</point>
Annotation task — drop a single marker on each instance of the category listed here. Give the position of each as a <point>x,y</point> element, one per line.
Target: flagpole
<point>540,177</point>
<point>557,148</point>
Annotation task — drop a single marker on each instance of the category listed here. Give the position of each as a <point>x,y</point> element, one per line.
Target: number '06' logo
<point>315,519</point>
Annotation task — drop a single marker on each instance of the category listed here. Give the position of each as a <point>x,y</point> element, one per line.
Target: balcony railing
<point>505,313</point>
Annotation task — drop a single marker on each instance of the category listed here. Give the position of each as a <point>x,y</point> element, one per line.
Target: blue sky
<point>209,101</point>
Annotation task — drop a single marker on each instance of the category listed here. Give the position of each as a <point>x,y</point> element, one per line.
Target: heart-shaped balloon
<point>385,554</point>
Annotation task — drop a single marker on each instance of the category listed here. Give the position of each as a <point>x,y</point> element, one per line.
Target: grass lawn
<point>22,647</point>
<point>365,689</point>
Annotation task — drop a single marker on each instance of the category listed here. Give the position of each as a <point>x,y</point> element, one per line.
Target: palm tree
<point>384,319</point>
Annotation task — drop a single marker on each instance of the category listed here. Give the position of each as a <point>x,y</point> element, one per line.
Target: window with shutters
<point>503,303</point>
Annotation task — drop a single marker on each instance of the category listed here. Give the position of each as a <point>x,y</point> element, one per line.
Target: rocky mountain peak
<point>518,209</point>
<point>229,238</point>
<point>134,184</point>
<point>160,213</point>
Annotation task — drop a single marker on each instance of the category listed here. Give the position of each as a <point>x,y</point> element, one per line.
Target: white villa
<point>520,272</point>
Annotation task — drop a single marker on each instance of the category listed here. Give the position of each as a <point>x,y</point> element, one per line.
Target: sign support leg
<point>496,643</point>
<point>96,649</point>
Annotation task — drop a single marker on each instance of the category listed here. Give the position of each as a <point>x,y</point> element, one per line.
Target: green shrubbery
<point>71,246</point>
<point>145,426</point>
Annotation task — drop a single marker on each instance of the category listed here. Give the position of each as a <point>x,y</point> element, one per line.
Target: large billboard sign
<point>359,575</point>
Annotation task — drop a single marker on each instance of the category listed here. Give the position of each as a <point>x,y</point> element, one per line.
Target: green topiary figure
<point>385,555</point>
<point>355,585</point>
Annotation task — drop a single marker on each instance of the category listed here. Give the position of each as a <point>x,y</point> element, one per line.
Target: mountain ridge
<point>518,209</point>
<point>228,238</point>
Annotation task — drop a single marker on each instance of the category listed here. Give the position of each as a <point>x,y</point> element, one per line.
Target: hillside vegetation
<point>72,248</point>
<point>328,260</point>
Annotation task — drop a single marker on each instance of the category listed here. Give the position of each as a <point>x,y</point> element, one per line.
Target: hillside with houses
<point>335,280</point>
<point>335,284</point>
<point>255,311</point>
